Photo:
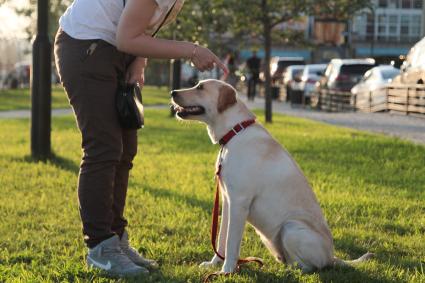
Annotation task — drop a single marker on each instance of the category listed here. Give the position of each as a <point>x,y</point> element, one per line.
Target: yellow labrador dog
<point>260,184</point>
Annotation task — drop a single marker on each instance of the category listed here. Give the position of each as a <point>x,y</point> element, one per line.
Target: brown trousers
<point>90,80</point>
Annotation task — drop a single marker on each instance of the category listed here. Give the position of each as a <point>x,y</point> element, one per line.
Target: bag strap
<point>163,21</point>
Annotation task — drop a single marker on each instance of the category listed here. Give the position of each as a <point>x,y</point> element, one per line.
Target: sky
<point>12,25</point>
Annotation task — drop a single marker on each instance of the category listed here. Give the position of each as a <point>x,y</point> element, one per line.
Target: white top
<point>98,19</point>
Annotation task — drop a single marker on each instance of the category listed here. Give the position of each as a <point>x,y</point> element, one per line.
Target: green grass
<point>20,99</point>
<point>371,188</point>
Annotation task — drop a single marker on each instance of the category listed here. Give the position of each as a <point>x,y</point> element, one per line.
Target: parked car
<point>278,66</point>
<point>375,78</point>
<point>311,74</point>
<point>413,68</point>
<point>292,82</point>
<point>343,74</point>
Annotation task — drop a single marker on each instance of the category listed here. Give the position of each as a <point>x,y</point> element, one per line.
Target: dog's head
<point>205,101</point>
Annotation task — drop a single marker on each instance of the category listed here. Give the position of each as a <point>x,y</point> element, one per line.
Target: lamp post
<point>423,18</point>
<point>41,86</point>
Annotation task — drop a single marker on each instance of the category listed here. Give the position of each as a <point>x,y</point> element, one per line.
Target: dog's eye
<point>200,87</point>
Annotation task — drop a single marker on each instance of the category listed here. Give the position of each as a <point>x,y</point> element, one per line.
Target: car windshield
<point>314,71</point>
<point>296,72</point>
<point>389,74</point>
<point>358,69</point>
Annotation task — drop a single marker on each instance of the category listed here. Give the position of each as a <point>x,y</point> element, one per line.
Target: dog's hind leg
<point>339,262</point>
<point>304,247</point>
<point>222,234</point>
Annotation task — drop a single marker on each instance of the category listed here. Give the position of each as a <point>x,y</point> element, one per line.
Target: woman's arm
<point>132,39</point>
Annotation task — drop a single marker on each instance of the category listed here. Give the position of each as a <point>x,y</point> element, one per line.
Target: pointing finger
<point>221,65</point>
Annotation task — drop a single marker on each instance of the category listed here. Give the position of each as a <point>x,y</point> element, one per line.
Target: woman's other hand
<point>204,59</point>
<point>136,71</point>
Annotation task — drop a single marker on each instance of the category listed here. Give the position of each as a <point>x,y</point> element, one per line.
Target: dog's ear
<point>226,98</point>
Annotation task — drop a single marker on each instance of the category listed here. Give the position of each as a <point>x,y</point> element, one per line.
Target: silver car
<point>312,74</point>
<point>376,78</point>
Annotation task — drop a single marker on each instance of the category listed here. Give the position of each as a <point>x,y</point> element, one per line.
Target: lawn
<point>21,99</point>
<point>371,188</point>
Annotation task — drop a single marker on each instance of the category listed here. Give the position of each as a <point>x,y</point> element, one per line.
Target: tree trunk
<point>267,49</point>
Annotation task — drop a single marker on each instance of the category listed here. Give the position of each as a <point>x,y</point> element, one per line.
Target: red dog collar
<point>234,131</point>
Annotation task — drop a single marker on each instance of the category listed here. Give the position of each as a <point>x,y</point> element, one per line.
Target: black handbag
<point>129,105</point>
<point>129,97</point>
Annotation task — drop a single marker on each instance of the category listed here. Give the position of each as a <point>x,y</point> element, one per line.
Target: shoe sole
<point>116,274</point>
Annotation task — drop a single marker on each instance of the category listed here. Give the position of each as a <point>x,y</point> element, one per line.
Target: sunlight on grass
<point>371,188</point>
<point>20,99</point>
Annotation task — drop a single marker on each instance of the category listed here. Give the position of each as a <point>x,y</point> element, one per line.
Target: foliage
<point>369,186</point>
<point>56,10</point>
<point>338,9</point>
<point>202,21</point>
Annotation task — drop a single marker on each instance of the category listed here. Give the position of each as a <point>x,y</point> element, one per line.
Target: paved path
<point>405,127</point>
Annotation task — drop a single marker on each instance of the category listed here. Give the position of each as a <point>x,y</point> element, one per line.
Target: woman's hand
<point>204,59</point>
<point>136,71</point>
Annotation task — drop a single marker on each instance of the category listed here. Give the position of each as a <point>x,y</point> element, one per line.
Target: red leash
<point>216,208</point>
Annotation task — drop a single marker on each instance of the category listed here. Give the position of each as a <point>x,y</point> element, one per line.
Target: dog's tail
<point>339,262</point>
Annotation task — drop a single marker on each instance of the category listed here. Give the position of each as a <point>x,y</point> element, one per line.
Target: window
<point>390,73</point>
<point>383,4</point>
<point>417,4</point>
<point>393,4</point>
<point>382,27</point>
<point>404,26</point>
<point>393,23</point>
<point>415,26</point>
<point>406,4</point>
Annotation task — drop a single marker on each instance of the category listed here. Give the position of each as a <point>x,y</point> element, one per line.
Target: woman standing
<point>99,41</point>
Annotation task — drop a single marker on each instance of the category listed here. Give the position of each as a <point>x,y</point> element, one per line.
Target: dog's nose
<point>173,93</point>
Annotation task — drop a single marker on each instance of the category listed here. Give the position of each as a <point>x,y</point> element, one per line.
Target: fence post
<point>355,103</point>
<point>387,94</point>
<point>330,99</point>
<point>370,101</point>
<point>407,100</point>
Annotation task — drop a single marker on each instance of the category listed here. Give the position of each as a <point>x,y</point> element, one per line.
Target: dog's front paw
<point>229,268</point>
<point>215,261</point>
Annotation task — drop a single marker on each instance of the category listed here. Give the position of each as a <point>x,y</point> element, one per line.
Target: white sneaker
<point>133,255</point>
<point>108,257</point>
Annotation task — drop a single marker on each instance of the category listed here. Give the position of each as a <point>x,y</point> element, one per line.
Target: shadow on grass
<point>153,276</point>
<point>172,195</point>
<point>57,161</point>
<point>342,275</point>
<point>350,274</point>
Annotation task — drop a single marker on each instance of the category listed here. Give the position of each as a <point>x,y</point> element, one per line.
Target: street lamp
<point>372,8</point>
<point>423,18</point>
<point>41,86</point>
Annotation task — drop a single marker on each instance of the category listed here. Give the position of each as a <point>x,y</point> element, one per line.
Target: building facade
<point>387,29</point>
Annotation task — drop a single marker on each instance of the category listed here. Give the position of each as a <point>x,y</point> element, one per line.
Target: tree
<point>258,18</point>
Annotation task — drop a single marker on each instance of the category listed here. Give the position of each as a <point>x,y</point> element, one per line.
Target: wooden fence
<point>336,101</point>
<point>408,100</point>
